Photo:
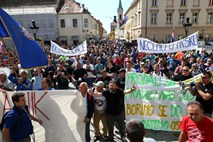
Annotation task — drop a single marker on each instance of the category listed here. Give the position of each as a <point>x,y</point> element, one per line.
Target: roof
<point>27,3</point>
<point>120,5</point>
<point>17,3</point>
<point>70,6</point>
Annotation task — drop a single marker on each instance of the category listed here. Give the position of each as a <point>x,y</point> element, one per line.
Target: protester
<point>22,82</point>
<point>114,107</point>
<point>61,76</point>
<point>18,126</point>
<point>46,84</point>
<point>89,103</point>
<point>36,80</point>
<point>204,92</point>
<point>196,127</point>
<point>184,75</point>
<point>100,112</point>
<point>135,131</point>
<point>5,83</point>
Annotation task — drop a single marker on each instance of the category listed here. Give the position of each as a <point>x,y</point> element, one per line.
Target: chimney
<point>115,20</point>
<point>83,5</point>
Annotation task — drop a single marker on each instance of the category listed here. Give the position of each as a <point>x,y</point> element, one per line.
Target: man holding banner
<point>204,92</point>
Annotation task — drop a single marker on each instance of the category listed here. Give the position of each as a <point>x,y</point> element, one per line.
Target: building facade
<point>156,19</point>
<point>77,25</point>
<point>44,13</point>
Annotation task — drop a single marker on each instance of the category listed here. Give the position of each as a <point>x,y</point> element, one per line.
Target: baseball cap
<point>99,84</point>
<point>122,70</point>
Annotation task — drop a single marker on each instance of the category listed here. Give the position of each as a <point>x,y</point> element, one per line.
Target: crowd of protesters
<point>103,64</point>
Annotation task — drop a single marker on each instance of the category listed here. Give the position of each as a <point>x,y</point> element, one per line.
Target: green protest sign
<point>158,102</point>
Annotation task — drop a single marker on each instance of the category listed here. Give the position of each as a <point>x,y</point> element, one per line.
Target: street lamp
<point>186,26</point>
<point>34,29</point>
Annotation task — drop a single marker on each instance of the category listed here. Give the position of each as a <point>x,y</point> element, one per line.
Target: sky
<point>105,10</point>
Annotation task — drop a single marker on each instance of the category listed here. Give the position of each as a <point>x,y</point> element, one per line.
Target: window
<point>169,3</point>
<point>195,17</point>
<point>62,23</point>
<point>154,2</point>
<point>153,17</point>
<point>182,18</point>
<point>183,3</point>
<point>168,38</point>
<point>86,23</point>
<point>196,2</point>
<point>209,17</point>
<point>210,2</point>
<point>75,23</point>
<point>169,18</point>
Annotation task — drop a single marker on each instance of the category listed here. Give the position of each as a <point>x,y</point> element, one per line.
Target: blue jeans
<point>87,132</point>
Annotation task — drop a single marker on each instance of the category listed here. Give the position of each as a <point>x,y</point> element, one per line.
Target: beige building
<point>76,24</point>
<point>156,19</point>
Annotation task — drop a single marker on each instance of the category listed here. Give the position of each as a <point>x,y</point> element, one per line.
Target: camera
<point>192,84</point>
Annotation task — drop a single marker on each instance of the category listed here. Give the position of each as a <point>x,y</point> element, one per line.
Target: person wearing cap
<point>99,111</point>
<point>5,83</point>
<point>121,78</point>
<point>114,107</point>
<point>22,83</point>
<point>140,70</point>
<point>106,79</point>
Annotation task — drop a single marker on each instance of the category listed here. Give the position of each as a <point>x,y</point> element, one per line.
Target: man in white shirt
<point>90,70</point>
<point>37,79</point>
<point>5,83</point>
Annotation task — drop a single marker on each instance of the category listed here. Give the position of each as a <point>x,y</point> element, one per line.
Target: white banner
<point>158,102</point>
<point>188,43</point>
<point>56,49</point>
<point>62,113</point>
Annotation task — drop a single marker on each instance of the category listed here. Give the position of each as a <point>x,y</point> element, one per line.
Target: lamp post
<point>34,29</point>
<point>186,26</point>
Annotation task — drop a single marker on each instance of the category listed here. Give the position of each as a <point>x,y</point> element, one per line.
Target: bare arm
<point>6,134</point>
<point>182,137</point>
<point>130,90</point>
<point>36,119</point>
<point>205,96</point>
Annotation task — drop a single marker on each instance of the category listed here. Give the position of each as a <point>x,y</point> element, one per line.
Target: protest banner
<point>62,113</point>
<point>187,43</point>
<point>81,49</point>
<point>158,102</point>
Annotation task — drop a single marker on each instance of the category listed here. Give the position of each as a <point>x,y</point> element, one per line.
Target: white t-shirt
<point>100,103</point>
<point>90,75</point>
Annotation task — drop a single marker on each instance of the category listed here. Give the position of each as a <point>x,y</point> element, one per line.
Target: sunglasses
<point>185,70</point>
<point>203,77</point>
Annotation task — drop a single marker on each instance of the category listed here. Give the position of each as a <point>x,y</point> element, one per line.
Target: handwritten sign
<point>188,43</point>
<point>62,113</point>
<point>56,49</point>
<point>158,102</point>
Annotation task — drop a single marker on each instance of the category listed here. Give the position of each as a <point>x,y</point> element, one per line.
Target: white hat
<point>99,84</point>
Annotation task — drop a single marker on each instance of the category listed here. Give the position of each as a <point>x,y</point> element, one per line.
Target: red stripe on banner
<point>38,108</point>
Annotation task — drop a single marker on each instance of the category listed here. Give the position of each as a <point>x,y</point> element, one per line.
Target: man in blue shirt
<point>18,126</point>
<point>22,83</point>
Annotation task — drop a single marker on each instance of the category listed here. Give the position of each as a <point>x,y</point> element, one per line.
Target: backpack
<point>4,118</point>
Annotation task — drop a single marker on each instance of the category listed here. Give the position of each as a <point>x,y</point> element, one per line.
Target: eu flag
<point>29,51</point>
